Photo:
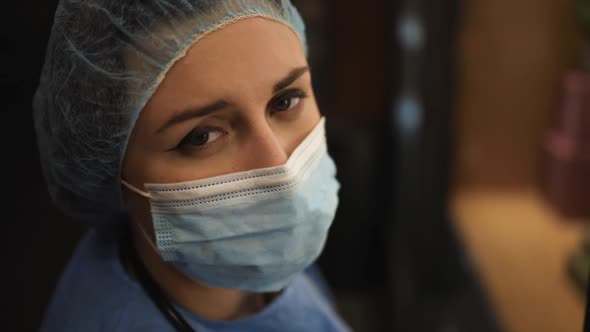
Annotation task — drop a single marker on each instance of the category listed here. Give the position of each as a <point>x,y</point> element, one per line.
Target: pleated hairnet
<point>104,60</point>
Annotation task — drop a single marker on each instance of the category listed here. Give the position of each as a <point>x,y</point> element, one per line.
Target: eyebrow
<point>290,78</point>
<point>218,105</point>
<point>194,113</point>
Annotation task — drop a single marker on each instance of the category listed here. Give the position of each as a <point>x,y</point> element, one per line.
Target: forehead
<point>248,55</point>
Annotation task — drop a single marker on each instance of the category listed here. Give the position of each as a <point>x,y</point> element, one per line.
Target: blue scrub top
<point>96,294</point>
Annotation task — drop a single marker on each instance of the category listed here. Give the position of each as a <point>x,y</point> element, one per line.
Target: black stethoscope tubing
<point>153,290</point>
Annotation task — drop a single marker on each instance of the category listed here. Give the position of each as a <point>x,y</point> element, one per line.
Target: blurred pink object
<point>567,149</point>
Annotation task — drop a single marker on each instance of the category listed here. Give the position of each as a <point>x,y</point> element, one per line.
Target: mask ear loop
<point>148,239</point>
<point>143,232</point>
<point>135,189</point>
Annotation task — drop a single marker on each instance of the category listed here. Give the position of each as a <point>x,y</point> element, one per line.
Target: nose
<point>264,147</point>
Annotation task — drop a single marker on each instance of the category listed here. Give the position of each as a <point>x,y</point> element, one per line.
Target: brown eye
<point>201,136</point>
<point>286,101</point>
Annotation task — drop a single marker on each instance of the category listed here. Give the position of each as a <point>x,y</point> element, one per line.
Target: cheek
<point>174,167</point>
<point>139,211</point>
<point>305,125</point>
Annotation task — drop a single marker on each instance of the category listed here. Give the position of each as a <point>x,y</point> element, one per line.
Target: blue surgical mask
<point>253,230</point>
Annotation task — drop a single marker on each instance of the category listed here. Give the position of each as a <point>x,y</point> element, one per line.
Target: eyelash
<point>200,131</point>
<point>289,95</point>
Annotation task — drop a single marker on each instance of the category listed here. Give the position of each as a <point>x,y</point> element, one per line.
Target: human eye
<point>286,101</point>
<point>201,137</point>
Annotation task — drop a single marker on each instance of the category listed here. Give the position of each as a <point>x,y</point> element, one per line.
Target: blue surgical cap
<point>104,60</point>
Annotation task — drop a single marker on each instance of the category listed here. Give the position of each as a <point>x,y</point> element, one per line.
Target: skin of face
<point>252,79</point>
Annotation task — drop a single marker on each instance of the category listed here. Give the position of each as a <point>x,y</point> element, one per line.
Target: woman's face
<point>240,99</point>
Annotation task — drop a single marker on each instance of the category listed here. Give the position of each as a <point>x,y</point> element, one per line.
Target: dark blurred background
<point>438,116</point>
